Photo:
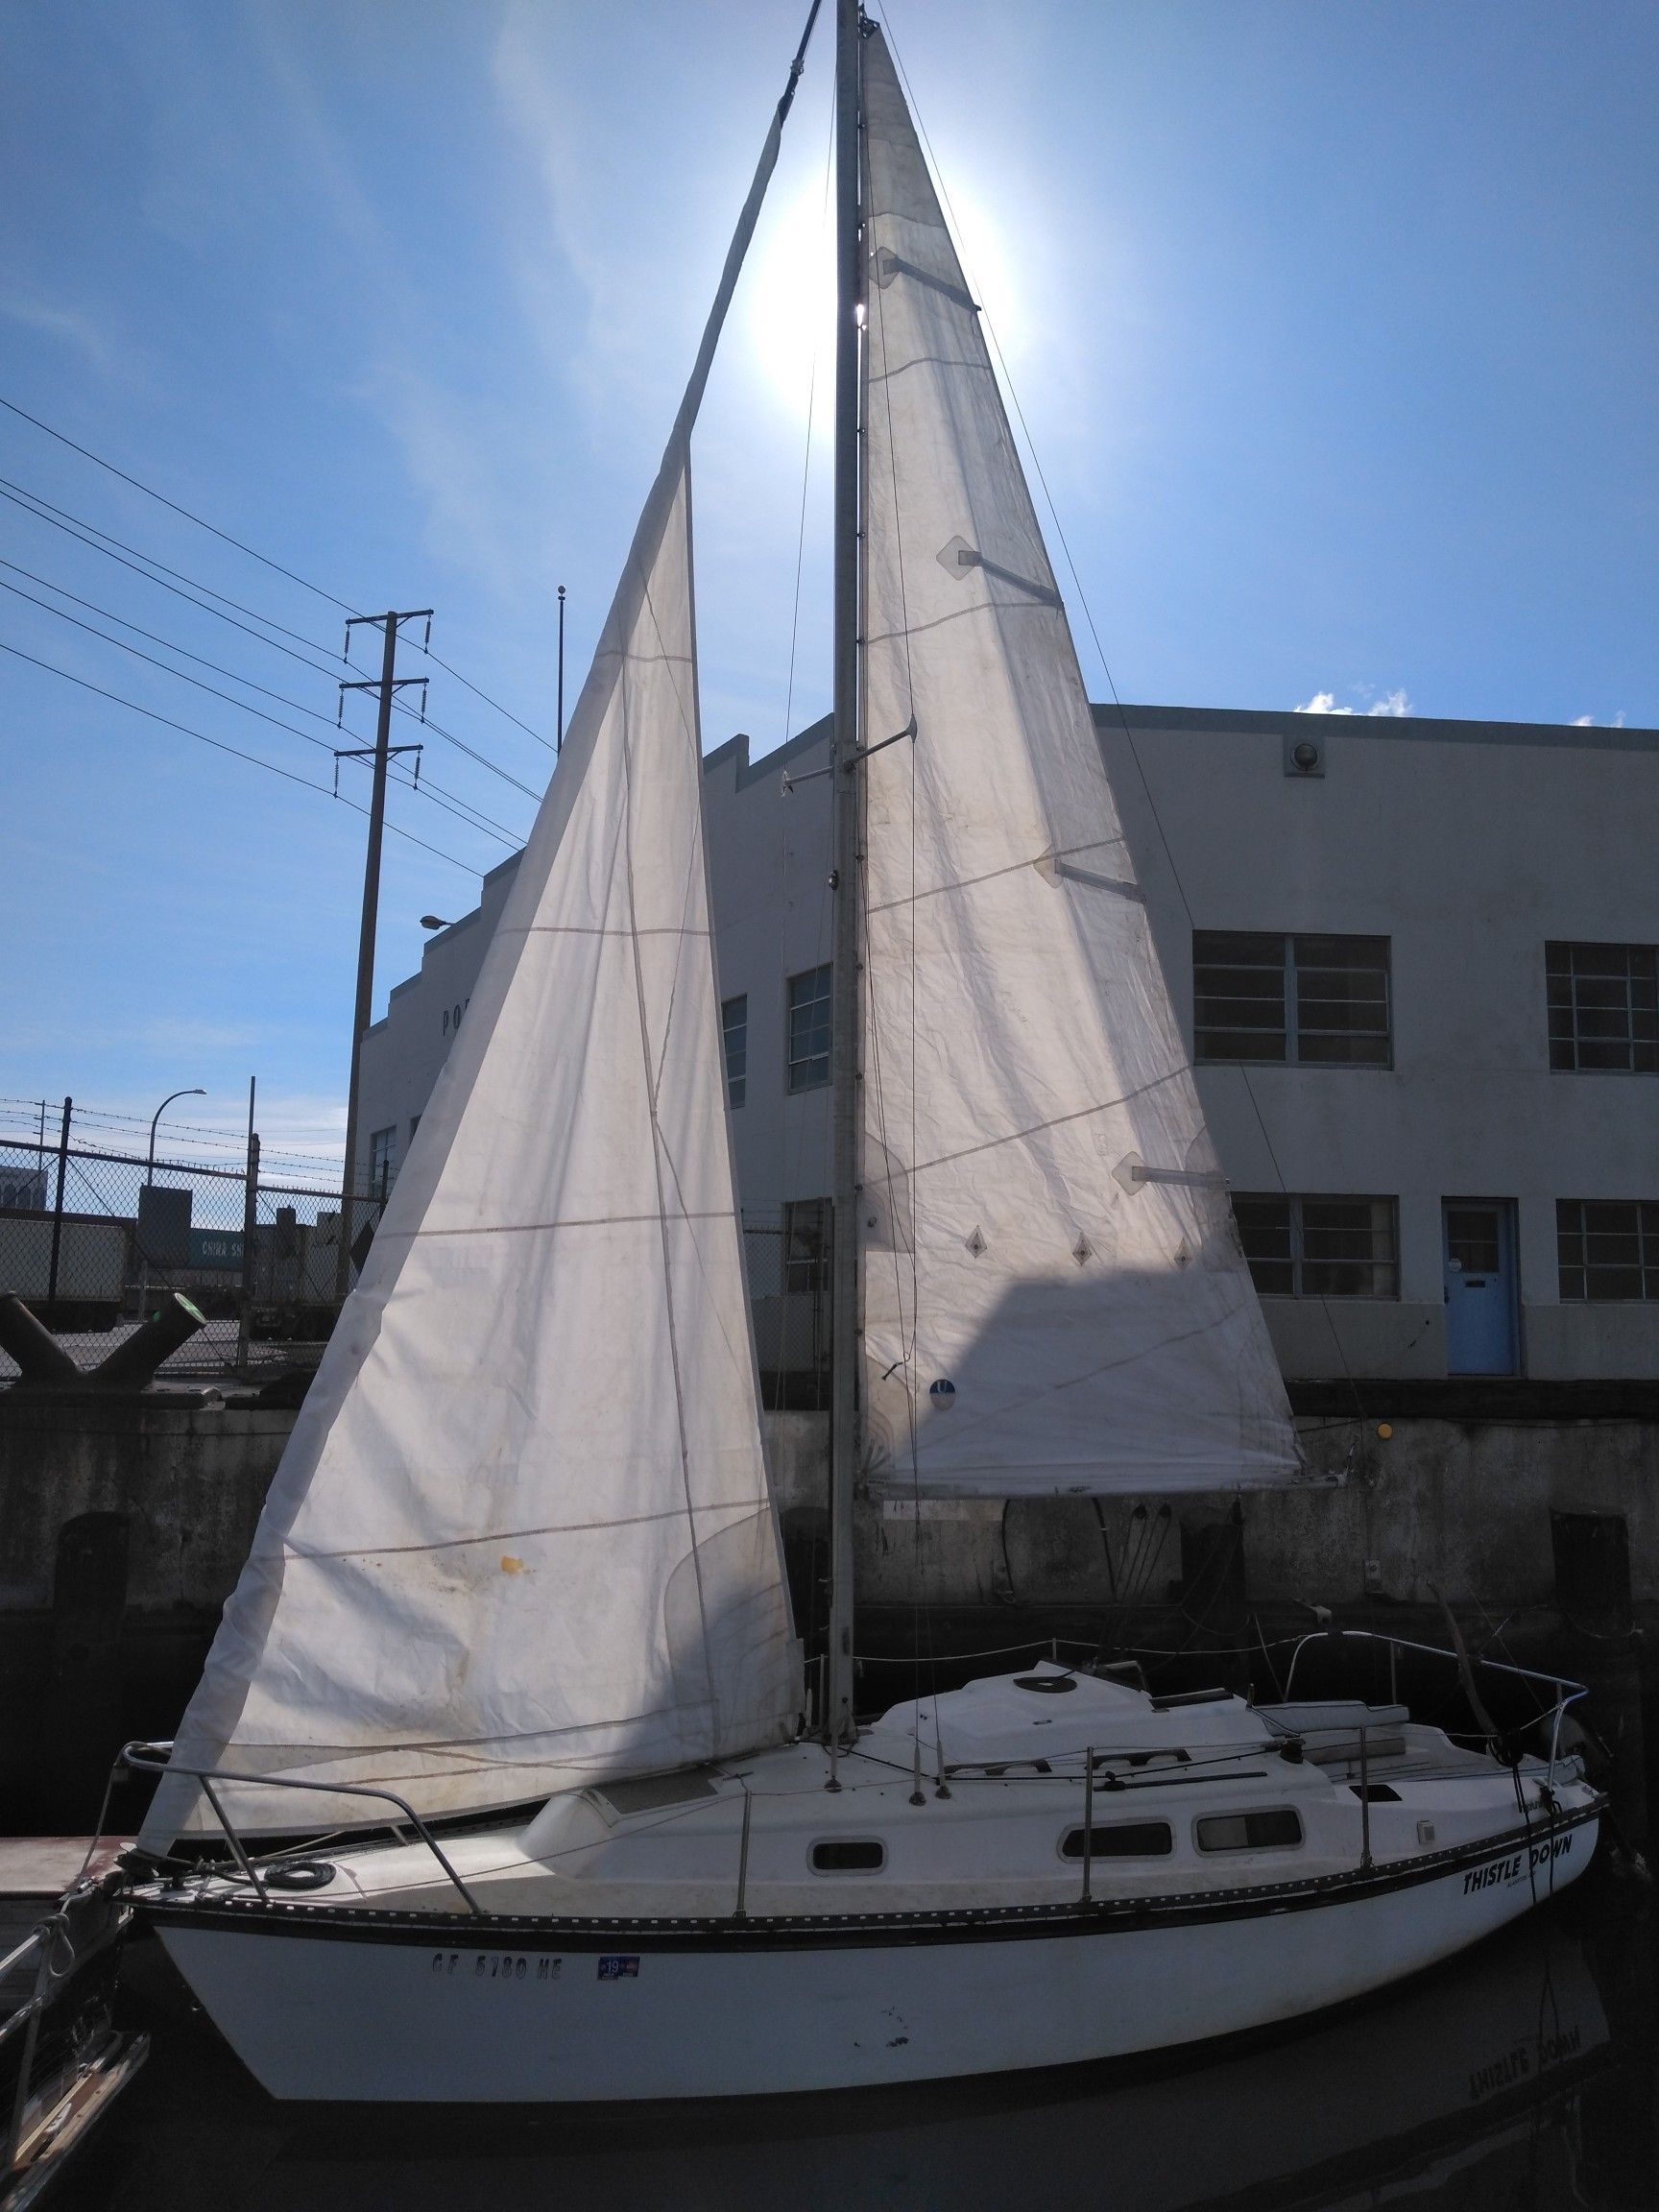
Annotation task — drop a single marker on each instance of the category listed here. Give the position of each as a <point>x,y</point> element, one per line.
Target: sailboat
<point>511,1677</point>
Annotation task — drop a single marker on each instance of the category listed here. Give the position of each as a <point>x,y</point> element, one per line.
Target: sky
<point>1334,325</point>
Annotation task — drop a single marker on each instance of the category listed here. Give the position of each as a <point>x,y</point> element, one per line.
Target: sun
<point>789,312</point>
<point>790,291</point>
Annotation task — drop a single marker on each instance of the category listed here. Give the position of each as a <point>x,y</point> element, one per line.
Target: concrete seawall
<point>124,1523</point>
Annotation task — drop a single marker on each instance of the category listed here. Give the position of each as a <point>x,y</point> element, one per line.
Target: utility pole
<point>388,686</point>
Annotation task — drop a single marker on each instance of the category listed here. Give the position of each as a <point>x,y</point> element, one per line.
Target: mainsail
<point>521,1537</point>
<point>1054,1296</point>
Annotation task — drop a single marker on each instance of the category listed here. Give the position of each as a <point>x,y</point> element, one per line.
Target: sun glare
<point>791,288</point>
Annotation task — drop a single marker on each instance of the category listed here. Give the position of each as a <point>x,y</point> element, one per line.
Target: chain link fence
<point>92,1237</point>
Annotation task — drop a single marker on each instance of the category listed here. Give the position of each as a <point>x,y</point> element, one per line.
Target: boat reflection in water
<point>1493,2082</point>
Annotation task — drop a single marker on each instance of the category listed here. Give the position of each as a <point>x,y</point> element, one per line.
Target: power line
<point>151,493</point>
<point>218,746</point>
<point>292,574</point>
<point>74,525</point>
<point>495,703</point>
<point>447,799</point>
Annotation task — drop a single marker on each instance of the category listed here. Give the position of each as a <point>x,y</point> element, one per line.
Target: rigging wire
<point>218,746</point>
<point>1106,670</point>
<point>253,553</point>
<point>805,1131</point>
<point>806,457</point>
<point>910,1337</point>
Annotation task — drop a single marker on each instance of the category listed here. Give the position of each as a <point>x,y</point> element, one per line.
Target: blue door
<point>1483,1305</point>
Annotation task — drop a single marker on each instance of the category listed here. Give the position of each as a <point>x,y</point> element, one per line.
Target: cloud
<point>72,325</point>
<point>1589,722</point>
<point>1391,703</point>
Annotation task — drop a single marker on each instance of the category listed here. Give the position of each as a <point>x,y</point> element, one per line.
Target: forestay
<point>1054,1296</point>
<point>521,1536</point>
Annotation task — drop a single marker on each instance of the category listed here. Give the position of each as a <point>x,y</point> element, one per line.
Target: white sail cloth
<point>523,1536</point>
<point>1043,1311</point>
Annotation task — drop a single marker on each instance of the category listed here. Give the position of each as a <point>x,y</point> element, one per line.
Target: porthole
<point>1121,1839</point>
<point>1274,1830</point>
<point>849,1855</point>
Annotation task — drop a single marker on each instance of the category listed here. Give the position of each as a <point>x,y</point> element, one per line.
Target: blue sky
<point>1336,323</point>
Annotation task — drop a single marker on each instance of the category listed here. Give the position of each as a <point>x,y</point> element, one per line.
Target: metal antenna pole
<point>249,1238</point>
<point>844,1009</point>
<point>58,1217</point>
<point>387,687</point>
<point>559,725</point>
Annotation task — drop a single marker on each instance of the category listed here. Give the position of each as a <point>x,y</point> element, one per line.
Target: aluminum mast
<point>845,1077</point>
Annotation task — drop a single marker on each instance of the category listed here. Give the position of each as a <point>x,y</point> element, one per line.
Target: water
<point>1523,2076</point>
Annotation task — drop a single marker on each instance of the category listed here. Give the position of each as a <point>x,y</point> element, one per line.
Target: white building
<point>1416,962</point>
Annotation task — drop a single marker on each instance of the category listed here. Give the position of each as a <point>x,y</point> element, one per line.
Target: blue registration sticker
<point>618,1969</point>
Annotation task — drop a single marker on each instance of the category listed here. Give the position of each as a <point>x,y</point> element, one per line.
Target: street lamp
<point>433,922</point>
<point>195,1091</point>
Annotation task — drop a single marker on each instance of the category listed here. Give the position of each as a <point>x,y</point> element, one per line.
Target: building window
<point>1302,1247</point>
<point>1603,1007</point>
<point>1609,1248</point>
<point>382,1160</point>
<point>806,1245</point>
<point>809,1064</point>
<point>735,1027</point>
<point>1309,1001</point>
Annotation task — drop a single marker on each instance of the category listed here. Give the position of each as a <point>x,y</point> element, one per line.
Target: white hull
<point>368,2006</point>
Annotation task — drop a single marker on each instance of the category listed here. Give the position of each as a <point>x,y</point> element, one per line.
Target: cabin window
<point>735,1027</point>
<point>808,1066</point>
<point>1121,1839</point>
<point>1306,1001</point>
<point>1375,1793</point>
<point>1603,1007</point>
<point>1276,1830</point>
<point>849,1855</point>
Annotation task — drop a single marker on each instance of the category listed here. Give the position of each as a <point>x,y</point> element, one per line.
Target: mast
<point>844,783</point>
